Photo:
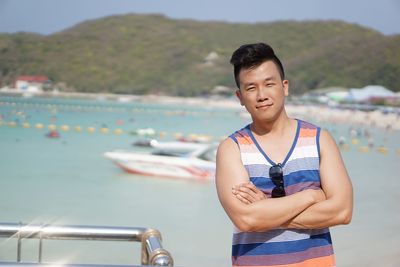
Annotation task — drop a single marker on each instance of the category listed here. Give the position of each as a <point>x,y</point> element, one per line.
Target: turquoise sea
<point>68,181</point>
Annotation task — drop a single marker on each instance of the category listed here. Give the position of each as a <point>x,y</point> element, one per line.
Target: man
<point>281,181</point>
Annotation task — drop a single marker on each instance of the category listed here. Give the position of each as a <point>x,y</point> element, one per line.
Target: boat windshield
<point>209,155</point>
<point>169,153</point>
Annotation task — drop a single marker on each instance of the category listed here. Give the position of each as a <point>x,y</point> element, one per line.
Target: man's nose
<point>262,94</point>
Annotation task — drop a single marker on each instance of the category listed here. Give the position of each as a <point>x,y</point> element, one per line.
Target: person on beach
<point>281,181</point>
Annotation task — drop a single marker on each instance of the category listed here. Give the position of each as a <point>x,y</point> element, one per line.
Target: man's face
<point>262,91</point>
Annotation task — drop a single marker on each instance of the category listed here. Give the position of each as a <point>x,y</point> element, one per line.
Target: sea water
<point>68,181</point>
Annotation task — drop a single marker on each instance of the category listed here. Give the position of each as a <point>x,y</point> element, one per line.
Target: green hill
<point>153,54</point>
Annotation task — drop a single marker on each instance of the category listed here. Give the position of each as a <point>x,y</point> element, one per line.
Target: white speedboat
<point>198,163</point>
<point>172,147</point>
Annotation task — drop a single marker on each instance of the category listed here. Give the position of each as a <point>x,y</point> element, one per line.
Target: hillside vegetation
<point>141,54</point>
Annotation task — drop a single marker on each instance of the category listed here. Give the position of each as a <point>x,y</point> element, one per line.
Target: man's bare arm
<point>338,206</point>
<point>261,215</point>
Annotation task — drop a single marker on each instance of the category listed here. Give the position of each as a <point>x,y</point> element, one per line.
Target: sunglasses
<point>276,175</point>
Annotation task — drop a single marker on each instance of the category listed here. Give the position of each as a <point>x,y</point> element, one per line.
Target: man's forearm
<point>320,215</point>
<point>272,213</point>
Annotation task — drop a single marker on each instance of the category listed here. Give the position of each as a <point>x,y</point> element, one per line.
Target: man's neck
<point>275,127</point>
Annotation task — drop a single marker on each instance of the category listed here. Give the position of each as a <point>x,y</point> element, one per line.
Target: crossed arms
<point>250,210</point>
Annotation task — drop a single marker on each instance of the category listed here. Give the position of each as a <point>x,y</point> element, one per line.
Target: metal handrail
<point>152,252</point>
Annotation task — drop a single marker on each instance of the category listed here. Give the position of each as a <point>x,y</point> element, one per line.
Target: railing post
<point>40,246</point>
<point>152,250</point>
<point>19,244</point>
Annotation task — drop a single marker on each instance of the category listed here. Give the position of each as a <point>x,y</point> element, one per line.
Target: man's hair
<point>252,55</point>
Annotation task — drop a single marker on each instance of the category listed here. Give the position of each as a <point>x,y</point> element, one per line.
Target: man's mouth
<point>263,106</point>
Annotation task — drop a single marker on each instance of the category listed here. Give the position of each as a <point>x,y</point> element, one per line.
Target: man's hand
<point>248,193</point>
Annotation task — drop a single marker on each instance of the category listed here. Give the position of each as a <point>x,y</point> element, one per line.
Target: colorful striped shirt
<point>283,247</point>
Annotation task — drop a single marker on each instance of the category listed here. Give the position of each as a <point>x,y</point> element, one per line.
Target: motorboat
<point>172,147</point>
<point>169,160</point>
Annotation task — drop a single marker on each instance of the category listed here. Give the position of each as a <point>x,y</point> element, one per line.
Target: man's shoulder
<point>307,125</point>
<point>308,129</point>
<point>241,133</point>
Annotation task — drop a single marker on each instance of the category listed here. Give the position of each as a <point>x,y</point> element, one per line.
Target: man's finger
<point>250,187</point>
<point>242,199</point>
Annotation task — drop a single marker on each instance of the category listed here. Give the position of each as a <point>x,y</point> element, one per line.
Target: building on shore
<point>31,84</point>
<point>370,94</point>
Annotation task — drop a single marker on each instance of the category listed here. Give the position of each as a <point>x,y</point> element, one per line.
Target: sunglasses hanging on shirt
<point>276,175</point>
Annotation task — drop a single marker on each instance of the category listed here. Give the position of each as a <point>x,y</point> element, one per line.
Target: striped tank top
<point>283,247</point>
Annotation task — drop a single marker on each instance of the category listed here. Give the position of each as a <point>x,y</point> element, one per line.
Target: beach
<point>66,180</point>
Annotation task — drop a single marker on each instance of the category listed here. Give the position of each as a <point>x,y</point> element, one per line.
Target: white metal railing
<point>152,252</point>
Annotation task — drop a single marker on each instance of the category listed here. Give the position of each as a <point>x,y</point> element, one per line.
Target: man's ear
<point>286,87</point>
<point>239,96</point>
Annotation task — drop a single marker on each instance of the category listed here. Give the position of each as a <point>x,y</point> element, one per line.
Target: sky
<point>50,16</point>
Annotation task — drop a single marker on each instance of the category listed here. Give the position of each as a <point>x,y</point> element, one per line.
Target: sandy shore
<point>376,118</point>
<point>319,113</point>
